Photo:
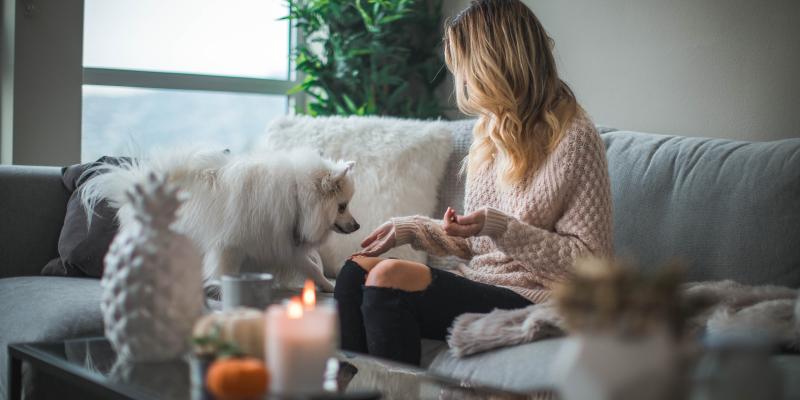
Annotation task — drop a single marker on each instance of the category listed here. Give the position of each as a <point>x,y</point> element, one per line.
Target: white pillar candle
<point>300,340</point>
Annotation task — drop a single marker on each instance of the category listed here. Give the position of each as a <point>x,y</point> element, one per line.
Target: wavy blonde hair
<point>505,74</point>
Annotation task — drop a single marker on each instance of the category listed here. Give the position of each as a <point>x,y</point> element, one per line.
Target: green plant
<point>213,344</point>
<point>369,57</point>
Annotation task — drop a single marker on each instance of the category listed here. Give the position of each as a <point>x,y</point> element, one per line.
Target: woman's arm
<point>426,234</point>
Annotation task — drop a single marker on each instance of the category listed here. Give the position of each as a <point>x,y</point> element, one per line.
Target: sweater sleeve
<point>426,234</point>
<point>584,228</point>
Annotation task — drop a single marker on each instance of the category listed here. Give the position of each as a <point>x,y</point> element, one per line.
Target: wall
<point>46,49</point>
<point>719,68</point>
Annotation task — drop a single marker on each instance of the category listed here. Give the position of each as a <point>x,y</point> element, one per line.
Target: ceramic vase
<point>607,366</point>
<point>152,283</point>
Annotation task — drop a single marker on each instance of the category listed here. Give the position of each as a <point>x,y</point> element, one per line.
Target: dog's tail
<point>110,182</point>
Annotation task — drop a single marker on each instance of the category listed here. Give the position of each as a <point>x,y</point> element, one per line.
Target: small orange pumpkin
<point>237,378</point>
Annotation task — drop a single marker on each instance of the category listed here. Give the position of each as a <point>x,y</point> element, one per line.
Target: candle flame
<point>309,294</point>
<point>294,310</point>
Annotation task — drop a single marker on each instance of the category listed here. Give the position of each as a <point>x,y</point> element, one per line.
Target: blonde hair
<point>505,74</point>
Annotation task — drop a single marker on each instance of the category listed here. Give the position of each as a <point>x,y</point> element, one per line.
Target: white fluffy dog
<point>271,211</point>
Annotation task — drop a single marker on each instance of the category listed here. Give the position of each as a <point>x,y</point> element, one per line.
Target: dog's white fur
<point>271,210</point>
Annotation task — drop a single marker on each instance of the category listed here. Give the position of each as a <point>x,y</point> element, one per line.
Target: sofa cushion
<point>521,368</point>
<point>529,367</point>
<point>81,248</point>
<point>728,209</point>
<point>36,309</point>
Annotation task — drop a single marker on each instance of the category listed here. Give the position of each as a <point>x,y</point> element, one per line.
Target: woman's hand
<point>463,225</point>
<point>378,242</point>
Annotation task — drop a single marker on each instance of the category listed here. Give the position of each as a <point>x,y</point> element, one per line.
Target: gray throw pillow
<point>81,250</point>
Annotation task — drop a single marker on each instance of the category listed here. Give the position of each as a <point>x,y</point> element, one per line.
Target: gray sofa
<point>729,209</point>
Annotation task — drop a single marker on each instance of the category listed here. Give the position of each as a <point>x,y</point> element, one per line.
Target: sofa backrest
<point>727,209</point>
<point>33,202</point>
<point>451,189</point>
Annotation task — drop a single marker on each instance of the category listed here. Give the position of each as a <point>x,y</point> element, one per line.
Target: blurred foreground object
<point>152,285</point>
<point>737,367</point>
<point>626,328</point>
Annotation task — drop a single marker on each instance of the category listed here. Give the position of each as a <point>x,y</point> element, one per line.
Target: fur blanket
<point>721,307</point>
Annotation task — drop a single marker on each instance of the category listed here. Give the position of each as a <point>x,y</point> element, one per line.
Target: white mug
<point>252,290</point>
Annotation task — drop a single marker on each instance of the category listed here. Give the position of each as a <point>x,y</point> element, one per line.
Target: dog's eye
<point>342,207</point>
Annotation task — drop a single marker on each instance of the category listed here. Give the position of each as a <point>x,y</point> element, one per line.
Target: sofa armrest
<point>33,202</point>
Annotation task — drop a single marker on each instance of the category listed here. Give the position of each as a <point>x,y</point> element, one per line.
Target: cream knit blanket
<point>722,307</point>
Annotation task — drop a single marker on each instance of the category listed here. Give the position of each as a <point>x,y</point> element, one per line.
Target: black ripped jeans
<point>389,323</point>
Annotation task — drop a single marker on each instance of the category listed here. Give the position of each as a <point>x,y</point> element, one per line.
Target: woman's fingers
<point>373,250</point>
<point>372,236</point>
<point>473,218</point>
<point>378,242</point>
<point>458,230</point>
<point>367,241</point>
<point>449,218</point>
<point>446,219</point>
<point>464,226</point>
<point>450,215</point>
<point>363,253</point>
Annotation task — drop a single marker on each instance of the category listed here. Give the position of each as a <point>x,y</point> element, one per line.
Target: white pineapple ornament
<point>152,283</point>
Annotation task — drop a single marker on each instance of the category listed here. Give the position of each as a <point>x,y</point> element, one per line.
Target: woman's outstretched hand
<point>378,242</point>
<point>463,225</point>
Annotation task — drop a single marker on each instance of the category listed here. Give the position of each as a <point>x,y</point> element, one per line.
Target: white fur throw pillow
<point>399,164</point>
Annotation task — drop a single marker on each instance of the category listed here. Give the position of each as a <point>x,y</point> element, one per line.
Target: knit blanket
<point>721,307</point>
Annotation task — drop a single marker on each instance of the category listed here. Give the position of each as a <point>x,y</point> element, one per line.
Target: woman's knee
<point>399,274</point>
<point>366,263</point>
<point>349,280</point>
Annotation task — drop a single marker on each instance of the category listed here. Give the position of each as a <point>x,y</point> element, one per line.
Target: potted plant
<point>369,57</point>
<point>625,328</point>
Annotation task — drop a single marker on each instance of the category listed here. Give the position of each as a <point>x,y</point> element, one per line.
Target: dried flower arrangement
<point>607,296</point>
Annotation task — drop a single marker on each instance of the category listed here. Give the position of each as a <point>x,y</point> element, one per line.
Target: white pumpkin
<point>243,327</point>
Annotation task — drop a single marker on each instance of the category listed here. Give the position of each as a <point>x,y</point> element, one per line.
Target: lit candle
<point>309,295</point>
<point>300,338</point>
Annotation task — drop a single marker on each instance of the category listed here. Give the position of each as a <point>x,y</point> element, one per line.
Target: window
<point>163,73</point>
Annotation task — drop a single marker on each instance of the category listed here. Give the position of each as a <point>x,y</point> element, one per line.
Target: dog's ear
<point>209,175</point>
<point>345,169</point>
<point>342,168</point>
<point>348,167</point>
<point>331,182</point>
<point>328,183</point>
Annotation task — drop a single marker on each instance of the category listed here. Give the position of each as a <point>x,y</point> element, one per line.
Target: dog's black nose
<point>356,226</point>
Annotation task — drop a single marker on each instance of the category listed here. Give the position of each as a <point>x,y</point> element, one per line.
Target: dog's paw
<point>326,286</point>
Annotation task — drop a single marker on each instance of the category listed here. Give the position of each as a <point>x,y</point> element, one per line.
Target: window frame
<point>182,81</point>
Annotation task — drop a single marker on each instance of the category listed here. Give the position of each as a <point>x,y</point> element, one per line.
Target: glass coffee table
<point>91,365</point>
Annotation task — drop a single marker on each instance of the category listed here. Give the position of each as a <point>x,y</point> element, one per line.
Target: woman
<point>537,190</point>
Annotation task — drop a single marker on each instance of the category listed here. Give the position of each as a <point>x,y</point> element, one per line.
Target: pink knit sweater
<point>535,230</point>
